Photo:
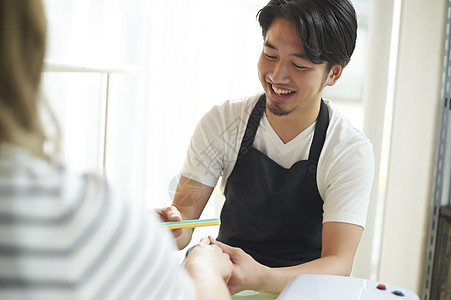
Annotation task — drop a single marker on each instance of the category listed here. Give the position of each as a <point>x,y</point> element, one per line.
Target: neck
<point>289,126</point>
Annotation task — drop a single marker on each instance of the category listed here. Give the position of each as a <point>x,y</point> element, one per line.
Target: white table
<point>329,287</point>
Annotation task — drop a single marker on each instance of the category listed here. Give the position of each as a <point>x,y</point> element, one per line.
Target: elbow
<point>347,272</point>
<point>346,268</point>
<point>340,266</point>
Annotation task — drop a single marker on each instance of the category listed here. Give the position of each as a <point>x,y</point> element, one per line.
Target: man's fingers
<point>173,214</point>
<point>226,248</point>
<point>169,214</point>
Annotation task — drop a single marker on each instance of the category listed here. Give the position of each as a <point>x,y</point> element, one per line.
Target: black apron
<point>272,213</point>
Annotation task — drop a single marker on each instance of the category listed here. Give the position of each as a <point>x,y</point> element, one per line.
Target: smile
<point>280,91</point>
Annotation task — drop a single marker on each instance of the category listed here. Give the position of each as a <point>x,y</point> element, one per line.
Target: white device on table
<point>331,287</point>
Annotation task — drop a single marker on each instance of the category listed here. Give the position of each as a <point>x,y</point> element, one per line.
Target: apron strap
<point>252,124</point>
<point>322,122</point>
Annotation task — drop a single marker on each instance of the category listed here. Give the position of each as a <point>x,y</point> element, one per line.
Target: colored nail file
<point>192,223</point>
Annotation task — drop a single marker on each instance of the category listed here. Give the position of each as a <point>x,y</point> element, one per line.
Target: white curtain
<point>103,37</point>
<point>184,57</point>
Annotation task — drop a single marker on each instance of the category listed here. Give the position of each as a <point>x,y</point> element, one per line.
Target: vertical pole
<point>106,124</point>
<point>442,181</point>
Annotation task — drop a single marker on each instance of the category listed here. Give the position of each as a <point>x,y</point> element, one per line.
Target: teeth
<point>281,92</point>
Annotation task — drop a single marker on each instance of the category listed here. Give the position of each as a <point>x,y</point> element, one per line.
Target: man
<point>295,174</point>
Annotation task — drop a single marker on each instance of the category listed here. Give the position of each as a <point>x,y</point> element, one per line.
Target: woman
<point>67,236</point>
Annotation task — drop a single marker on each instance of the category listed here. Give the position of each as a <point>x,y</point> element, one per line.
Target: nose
<point>279,73</point>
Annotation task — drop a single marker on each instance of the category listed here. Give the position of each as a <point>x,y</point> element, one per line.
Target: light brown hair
<point>22,49</point>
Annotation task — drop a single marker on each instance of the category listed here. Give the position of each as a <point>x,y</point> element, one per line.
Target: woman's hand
<point>205,255</point>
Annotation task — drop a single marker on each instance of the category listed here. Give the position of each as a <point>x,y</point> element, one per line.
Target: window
<point>95,51</point>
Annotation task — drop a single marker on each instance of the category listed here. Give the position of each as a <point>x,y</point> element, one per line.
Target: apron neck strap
<point>252,124</point>
<point>322,122</point>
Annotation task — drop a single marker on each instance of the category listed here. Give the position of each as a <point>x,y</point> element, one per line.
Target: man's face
<point>290,80</point>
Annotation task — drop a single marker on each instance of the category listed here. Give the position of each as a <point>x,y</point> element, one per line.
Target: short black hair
<point>326,28</point>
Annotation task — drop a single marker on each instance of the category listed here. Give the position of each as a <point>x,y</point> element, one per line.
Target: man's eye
<point>299,67</point>
<point>270,57</point>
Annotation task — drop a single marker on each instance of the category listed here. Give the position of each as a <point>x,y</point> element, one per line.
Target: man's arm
<point>340,241</point>
<point>189,201</point>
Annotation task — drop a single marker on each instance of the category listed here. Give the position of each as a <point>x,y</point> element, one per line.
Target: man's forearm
<point>274,280</point>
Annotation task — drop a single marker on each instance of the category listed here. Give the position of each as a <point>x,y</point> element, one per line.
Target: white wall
<point>415,116</point>
<point>413,143</point>
<point>375,90</point>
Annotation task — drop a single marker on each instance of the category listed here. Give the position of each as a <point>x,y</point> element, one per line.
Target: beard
<point>276,110</point>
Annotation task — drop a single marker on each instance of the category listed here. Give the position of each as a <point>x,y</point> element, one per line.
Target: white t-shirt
<point>345,167</point>
<point>66,236</point>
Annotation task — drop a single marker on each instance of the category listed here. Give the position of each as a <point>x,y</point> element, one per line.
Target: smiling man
<point>296,174</point>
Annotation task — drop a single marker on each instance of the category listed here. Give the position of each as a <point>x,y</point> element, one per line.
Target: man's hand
<point>247,273</point>
<point>170,214</point>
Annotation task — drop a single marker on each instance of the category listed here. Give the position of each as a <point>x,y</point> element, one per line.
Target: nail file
<point>192,223</point>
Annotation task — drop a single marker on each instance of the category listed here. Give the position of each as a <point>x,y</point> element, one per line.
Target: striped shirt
<point>67,236</point>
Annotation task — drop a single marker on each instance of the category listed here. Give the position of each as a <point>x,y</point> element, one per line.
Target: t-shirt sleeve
<point>349,182</point>
<point>204,160</point>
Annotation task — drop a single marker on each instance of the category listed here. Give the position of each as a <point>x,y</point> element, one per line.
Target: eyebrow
<point>299,55</point>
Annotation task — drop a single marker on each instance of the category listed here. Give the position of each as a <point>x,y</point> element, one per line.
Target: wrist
<point>271,280</point>
<point>185,238</point>
<point>264,275</point>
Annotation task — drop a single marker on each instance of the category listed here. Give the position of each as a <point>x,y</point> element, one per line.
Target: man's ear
<point>334,75</point>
